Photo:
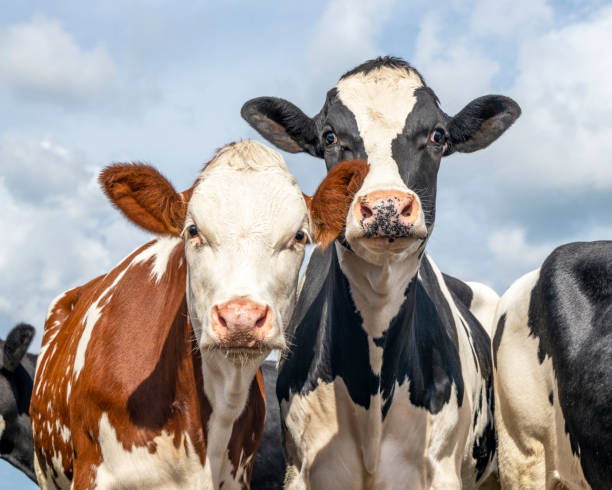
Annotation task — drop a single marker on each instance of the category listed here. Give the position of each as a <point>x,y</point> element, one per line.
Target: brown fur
<point>332,200</point>
<point>145,197</point>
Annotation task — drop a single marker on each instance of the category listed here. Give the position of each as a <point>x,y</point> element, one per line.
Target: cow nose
<point>386,213</point>
<point>241,321</point>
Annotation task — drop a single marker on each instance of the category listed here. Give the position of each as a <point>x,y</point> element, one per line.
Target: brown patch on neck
<point>331,202</point>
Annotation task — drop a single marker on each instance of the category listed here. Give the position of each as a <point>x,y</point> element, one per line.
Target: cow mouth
<point>238,351</point>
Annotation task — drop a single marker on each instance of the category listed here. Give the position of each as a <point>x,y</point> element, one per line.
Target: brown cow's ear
<point>146,197</point>
<point>331,202</point>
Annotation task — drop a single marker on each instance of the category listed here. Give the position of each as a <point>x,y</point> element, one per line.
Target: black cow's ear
<point>282,124</point>
<point>481,122</point>
<point>16,345</point>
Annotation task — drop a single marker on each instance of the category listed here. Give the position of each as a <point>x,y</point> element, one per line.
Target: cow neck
<point>226,385</point>
<point>377,290</point>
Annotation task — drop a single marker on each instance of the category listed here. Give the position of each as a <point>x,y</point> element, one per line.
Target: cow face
<point>244,224</point>
<point>383,114</point>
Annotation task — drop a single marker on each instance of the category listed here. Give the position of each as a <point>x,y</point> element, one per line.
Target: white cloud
<point>512,249</point>
<point>345,35</point>
<point>563,86</point>
<point>509,18</point>
<point>40,58</point>
<point>457,69</point>
<point>37,170</point>
<point>62,238</point>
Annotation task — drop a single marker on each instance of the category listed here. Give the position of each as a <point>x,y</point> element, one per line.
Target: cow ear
<point>145,197</point>
<point>16,345</point>
<point>282,124</point>
<point>331,202</point>
<point>481,122</point>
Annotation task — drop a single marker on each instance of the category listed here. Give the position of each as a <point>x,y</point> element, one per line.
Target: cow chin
<point>380,250</point>
<point>242,348</point>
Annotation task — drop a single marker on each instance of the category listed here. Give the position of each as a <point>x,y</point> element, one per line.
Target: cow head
<point>16,379</point>
<point>244,224</point>
<point>383,114</point>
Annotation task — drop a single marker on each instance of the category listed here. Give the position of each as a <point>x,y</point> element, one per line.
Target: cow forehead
<point>247,203</point>
<point>381,99</point>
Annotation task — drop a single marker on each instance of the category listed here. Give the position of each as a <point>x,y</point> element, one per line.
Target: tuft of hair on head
<point>247,155</point>
<point>331,202</point>
<point>382,63</point>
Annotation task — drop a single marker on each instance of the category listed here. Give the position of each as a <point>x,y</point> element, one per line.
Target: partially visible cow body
<point>148,376</point>
<point>146,405</point>
<point>552,353</point>
<point>388,383</point>
<point>16,379</point>
<point>269,466</point>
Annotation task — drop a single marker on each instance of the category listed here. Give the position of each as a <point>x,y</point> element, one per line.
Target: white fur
<point>484,304</point>
<point>227,388</point>
<point>160,252</point>
<point>248,248</point>
<point>89,321</point>
<point>169,467</point>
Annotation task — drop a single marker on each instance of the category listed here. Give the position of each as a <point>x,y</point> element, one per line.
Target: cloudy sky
<point>81,87</point>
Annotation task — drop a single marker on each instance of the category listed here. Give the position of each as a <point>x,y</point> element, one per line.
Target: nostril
<point>262,319</point>
<point>220,317</point>
<point>366,212</point>
<point>407,210</point>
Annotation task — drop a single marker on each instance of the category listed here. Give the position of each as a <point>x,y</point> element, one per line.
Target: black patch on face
<point>550,398</point>
<point>383,62</point>
<point>499,331</point>
<point>336,117</point>
<point>570,313</point>
<point>418,159</point>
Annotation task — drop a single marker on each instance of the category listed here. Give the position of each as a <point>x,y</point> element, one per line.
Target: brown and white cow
<point>148,376</point>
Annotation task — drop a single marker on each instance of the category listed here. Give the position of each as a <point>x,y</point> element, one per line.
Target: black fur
<point>269,465</point>
<point>16,381</point>
<point>570,312</point>
<point>499,332</point>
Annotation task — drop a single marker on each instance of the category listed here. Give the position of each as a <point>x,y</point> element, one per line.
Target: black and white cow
<point>16,378</point>
<point>388,383</point>
<point>552,352</point>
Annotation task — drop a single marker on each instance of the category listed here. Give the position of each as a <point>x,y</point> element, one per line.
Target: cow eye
<point>437,136</point>
<point>330,138</point>
<point>301,236</point>
<point>193,230</point>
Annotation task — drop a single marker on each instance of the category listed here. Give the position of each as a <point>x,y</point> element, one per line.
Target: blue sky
<point>83,86</point>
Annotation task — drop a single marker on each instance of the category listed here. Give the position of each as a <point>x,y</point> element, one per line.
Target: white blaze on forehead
<point>246,189</point>
<point>380,100</point>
